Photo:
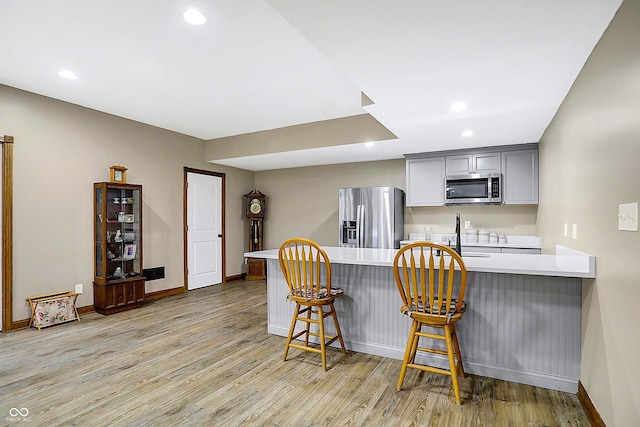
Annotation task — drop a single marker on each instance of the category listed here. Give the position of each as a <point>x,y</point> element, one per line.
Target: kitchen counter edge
<point>566,262</point>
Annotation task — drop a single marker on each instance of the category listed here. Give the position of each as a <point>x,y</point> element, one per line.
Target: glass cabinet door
<point>99,230</point>
<point>118,232</point>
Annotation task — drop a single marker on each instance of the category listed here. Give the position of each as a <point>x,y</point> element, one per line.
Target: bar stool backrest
<point>430,284</point>
<point>306,268</point>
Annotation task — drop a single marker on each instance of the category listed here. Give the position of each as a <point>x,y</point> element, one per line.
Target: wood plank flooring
<point>205,359</point>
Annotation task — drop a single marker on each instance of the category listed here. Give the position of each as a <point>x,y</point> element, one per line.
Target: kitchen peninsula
<point>523,323</point>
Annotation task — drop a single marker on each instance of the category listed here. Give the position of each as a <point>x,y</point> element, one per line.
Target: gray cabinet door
<point>520,177</point>
<point>473,163</point>
<point>460,165</point>
<point>425,181</point>
<point>486,163</point>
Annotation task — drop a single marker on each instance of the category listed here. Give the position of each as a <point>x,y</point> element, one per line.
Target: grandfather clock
<point>255,202</point>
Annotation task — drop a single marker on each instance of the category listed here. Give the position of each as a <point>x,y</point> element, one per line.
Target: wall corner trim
<point>590,410</point>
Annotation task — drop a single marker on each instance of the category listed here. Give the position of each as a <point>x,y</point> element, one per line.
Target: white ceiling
<point>258,65</point>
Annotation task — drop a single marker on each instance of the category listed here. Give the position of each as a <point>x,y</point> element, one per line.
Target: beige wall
<point>60,150</point>
<point>303,202</point>
<point>502,219</point>
<point>590,163</point>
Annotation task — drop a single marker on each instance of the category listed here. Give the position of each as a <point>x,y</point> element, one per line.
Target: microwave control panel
<point>495,187</point>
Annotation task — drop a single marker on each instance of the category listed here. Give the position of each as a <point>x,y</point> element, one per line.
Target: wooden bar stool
<point>426,283</point>
<point>307,270</point>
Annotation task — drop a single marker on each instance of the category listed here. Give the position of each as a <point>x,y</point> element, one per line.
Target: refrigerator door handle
<point>359,226</point>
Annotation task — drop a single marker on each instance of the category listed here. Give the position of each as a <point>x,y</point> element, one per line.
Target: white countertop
<point>566,262</point>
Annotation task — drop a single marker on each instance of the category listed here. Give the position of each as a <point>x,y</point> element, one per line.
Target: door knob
<point>220,235</point>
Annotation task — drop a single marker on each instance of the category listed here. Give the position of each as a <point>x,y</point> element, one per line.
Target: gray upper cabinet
<point>518,164</point>
<point>425,181</point>
<point>473,163</point>
<point>520,177</point>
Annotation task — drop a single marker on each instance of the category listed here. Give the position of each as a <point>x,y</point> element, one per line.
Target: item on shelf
<point>110,255</point>
<point>493,237</point>
<point>129,218</point>
<point>130,200</point>
<point>483,236</point>
<point>116,200</point>
<point>118,174</point>
<point>129,252</point>
<point>502,238</point>
<point>120,216</point>
<point>118,236</point>
<point>471,235</point>
<point>118,274</point>
<point>129,236</point>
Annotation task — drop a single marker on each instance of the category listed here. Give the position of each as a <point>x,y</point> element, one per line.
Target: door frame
<point>7,232</point>
<point>185,213</point>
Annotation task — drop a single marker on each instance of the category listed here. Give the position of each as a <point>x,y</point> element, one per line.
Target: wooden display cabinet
<point>118,284</point>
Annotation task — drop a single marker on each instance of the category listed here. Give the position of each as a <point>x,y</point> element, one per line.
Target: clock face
<point>117,175</point>
<point>255,206</point>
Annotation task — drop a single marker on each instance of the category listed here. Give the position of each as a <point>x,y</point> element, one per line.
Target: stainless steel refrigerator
<point>371,217</point>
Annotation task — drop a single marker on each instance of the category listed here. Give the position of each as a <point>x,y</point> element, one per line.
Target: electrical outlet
<point>467,224</point>
<point>574,231</point>
<point>79,288</point>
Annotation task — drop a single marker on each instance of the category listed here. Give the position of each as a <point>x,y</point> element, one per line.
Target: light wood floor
<point>205,359</point>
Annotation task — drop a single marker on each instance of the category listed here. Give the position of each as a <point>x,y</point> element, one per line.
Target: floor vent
<point>153,273</point>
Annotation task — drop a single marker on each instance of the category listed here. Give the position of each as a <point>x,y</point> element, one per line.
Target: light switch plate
<point>574,232</point>
<point>79,288</point>
<point>566,230</point>
<point>628,217</point>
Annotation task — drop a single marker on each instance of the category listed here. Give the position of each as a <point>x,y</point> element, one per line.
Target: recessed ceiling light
<point>467,133</point>
<point>458,106</point>
<point>194,17</point>
<point>369,144</point>
<point>67,74</point>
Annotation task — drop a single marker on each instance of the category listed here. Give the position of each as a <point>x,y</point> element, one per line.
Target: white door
<point>204,230</point>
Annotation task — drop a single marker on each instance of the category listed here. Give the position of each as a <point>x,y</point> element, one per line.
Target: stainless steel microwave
<point>476,189</point>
